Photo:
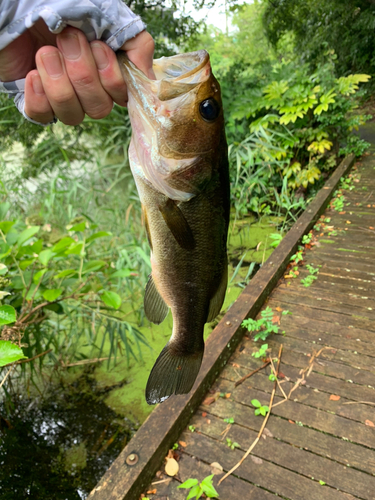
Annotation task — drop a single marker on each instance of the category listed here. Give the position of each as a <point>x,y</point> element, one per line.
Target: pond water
<point>58,443</point>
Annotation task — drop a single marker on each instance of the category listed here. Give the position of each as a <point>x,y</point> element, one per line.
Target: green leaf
<point>6,225</point>
<point>255,403</point>
<point>5,250</point>
<point>189,483</point>
<point>26,263</point>
<point>121,273</point>
<point>9,353</point>
<point>45,256</point>
<point>3,269</point>
<point>208,487</point>
<point>52,294</point>
<point>65,273</point>
<point>7,315</point>
<point>194,492</point>
<point>111,299</point>
<point>63,244</point>
<point>74,249</point>
<point>27,234</point>
<point>4,207</point>
<point>93,265</point>
<point>39,275</point>
<point>99,234</point>
<point>78,227</point>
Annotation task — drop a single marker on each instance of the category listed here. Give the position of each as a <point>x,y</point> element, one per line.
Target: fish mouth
<point>159,107</point>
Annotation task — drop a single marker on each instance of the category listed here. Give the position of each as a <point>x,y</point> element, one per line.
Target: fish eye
<point>209,109</point>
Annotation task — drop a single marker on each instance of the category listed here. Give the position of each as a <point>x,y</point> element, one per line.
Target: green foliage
<point>72,283</point>
<point>277,238</point>
<point>317,28</point>
<point>9,353</point>
<point>232,445</point>
<point>259,409</point>
<point>262,352</point>
<point>311,277</point>
<point>197,489</point>
<point>229,420</point>
<point>263,326</point>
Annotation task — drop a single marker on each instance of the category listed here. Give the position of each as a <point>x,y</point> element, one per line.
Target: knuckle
<point>83,81</point>
<point>62,98</point>
<point>99,112</point>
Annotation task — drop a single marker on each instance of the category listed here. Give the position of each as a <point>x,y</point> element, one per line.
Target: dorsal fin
<point>156,309</point>
<point>177,224</point>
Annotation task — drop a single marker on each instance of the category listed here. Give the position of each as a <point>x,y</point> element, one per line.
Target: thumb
<point>140,51</point>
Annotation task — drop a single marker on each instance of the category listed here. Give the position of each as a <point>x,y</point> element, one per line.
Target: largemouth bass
<point>179,159</point>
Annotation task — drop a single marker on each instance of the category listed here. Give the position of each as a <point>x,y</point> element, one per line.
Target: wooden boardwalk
<point>316,446</point>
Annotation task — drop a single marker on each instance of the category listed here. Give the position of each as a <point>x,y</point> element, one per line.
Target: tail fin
<point>172,374</point>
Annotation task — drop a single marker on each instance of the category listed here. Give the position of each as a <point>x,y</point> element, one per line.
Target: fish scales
<point>179,159</point>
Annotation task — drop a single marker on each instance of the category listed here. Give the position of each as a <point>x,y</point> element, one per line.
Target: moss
<point>75,458</point>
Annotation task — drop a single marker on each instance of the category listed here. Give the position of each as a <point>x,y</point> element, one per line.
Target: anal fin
<point>156,309</point>
<point>217,300</point>
<point>177,224</point>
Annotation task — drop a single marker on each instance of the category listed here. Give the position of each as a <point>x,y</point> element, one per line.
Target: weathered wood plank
<point>318,301</point>
<point>300,361</point>
<point>309,416</point>
<point>290,457</point>
<point>193,468</point>
<point>319,325</point>
<point>327,316</point>
<point>277,479</point>
<point>310,394</point>
<point>328,295</point>
<point>307,438</point>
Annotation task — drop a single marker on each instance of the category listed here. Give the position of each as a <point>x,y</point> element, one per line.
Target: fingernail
<point>36,82</point>
<point>100,56</point>
<point>52,63</point>
<point>70,45</point>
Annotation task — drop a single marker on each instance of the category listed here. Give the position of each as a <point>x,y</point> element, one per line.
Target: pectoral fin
<point>217,300</point>
<point>156,309</point>
<point>177,224</point>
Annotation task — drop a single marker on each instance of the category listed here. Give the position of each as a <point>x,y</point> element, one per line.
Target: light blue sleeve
<point>110,21</point>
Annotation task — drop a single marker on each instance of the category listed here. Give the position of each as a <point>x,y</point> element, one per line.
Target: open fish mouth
<point>162,113</point>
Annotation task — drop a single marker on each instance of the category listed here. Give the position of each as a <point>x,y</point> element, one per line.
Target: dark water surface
<point>59,446</point>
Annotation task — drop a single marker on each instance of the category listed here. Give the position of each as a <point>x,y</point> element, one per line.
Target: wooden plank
<point>313,300</point>
<point>322,292</point>
<point>315,393</point>
<point>123,481</point>
<point>284,482</point>
<point>359,361</point>
<point>301,319</point>
<point>325,445</point>
<point>337,282</point>
<point>322,365</point>
<point>290,457</point>
<point>334,254</point>
<point>309,416</point>
<point>323,315</point>
<point>190,467</point>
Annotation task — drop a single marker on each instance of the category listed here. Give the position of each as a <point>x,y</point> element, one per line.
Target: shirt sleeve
<point>108,20</point>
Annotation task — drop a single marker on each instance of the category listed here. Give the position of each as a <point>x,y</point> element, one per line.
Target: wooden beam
<point>137,464</point>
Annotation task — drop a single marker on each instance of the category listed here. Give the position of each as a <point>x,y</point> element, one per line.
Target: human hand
<point>72,77</point>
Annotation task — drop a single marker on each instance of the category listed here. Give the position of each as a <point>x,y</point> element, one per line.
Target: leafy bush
<point>72,274</point>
